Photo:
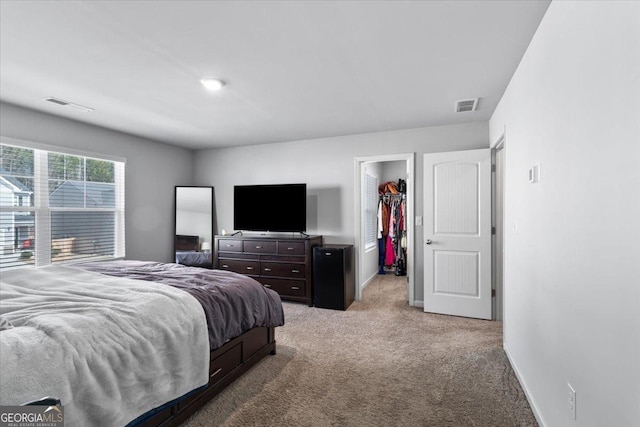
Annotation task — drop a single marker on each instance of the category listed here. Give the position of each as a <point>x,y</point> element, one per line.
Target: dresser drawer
<point>284,286</point>
<point>223,364</point>
<point>219,367</point>
<point>278,269</point>
<point>240,266</point>
<point>283,264</point>
<point>259,247</point>
<point>254,340</point>
<point>237,255</point>
<point>291,248</point>
<point>229,245</point>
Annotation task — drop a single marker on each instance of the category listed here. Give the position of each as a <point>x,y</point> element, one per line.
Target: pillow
<point>5,324</point>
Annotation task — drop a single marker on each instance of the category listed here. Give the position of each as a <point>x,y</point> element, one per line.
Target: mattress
<point>110,348</point>
<point>233,303</point>
<point>113,340</point>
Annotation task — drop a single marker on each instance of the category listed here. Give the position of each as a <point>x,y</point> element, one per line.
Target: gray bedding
<point>109,348</point>
<point>232,303</point>
<point>194,259</point>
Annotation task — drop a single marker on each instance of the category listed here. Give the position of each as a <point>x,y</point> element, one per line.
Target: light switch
<point>534,174</point>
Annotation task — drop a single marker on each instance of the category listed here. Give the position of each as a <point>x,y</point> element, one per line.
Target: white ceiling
<point>294,70</point>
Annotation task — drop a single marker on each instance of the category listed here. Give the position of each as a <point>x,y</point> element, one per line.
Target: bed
<point>188,253</point>
<point>130,342</point>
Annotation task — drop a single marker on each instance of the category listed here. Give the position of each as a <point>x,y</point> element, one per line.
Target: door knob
<point>428,242</point>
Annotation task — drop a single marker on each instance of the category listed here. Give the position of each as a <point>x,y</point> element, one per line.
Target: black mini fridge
<point>334,284</point>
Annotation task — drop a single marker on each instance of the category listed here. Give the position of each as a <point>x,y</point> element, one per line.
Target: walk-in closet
<point>384,226</point>
<point>384,214</point>
<point>391,227</point>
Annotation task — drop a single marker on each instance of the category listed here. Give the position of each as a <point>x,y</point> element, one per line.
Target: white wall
<point>572,267</point>
<point>392,171</point>
<point>194,223</point>
<point>153,170</point>
<point>327,166</point>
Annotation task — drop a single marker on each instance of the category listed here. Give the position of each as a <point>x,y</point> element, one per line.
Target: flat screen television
<point>277,208</point>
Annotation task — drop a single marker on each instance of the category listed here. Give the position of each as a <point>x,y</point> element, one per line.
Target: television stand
<point>280,263</point>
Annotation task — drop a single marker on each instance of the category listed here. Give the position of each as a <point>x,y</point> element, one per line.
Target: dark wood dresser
<point>279,263</point>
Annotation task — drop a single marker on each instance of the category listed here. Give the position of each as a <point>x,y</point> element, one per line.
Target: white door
<point>457,233</point>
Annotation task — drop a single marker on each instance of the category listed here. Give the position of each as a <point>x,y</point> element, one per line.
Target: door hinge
<point>493,230</point>
<point>493,293</point>
<point>493,168</point>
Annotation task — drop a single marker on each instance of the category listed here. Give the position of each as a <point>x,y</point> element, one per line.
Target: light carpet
<point>380,363</point>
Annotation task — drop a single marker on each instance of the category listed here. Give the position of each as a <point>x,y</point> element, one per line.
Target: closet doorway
<point>382,168</point>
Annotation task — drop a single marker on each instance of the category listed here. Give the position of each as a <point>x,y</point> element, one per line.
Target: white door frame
<point>409,158</point>
<point>497,247</point>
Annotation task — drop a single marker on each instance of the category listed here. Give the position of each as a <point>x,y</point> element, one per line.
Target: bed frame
<point>227,363</point>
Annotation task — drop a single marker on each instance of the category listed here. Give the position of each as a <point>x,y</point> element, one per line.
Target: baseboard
<point>417,303</point>
<point>523,384</point>
<point>367,282</point>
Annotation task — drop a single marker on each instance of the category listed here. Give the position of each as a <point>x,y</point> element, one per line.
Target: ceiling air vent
<point>466,105</point>
<point>68,104</point>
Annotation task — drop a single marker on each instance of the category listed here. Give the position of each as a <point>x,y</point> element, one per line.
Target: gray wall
<point>327,166</point>
<point>392,171</point>
<point>152,171</point>
<point>572,240</point>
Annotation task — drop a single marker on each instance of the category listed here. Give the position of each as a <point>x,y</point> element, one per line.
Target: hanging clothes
<point>400,233</point>
<point>382,245</point>
<point>388,187</point>
<point>381,240</point>
<point>389,255</point>
<point>391,228</point>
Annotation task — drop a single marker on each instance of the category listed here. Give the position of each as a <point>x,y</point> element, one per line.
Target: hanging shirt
<point>380,219</point>
<point>389,255</point>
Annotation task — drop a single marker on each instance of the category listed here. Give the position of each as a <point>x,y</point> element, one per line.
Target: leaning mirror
<point>194,226</point>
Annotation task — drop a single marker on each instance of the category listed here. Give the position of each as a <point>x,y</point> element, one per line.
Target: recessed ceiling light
<point>212,84</point>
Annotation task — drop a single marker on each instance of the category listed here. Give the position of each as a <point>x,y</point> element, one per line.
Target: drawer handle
<point>225,266</point>
<point>230,246</point>
<point>295,288</point>
<point>290,249</point>
<point>258,247</point>
<point>295,271</point>
<point>328,253</point>
<point>249,268</point>
<point>267,269</point>
<point>267,286</point>
<point>215,373</point>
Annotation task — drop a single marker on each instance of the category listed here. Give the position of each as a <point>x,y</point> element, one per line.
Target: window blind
<point>370,210</point>
<point>59,207</point>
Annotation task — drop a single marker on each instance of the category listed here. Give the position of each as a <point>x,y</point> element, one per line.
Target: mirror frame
<point>175,214</point>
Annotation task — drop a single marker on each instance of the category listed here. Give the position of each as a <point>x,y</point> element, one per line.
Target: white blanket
<point>110,348</point>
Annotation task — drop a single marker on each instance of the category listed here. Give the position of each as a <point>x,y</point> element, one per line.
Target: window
<point>59,207</point>
<point>370,210</point>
